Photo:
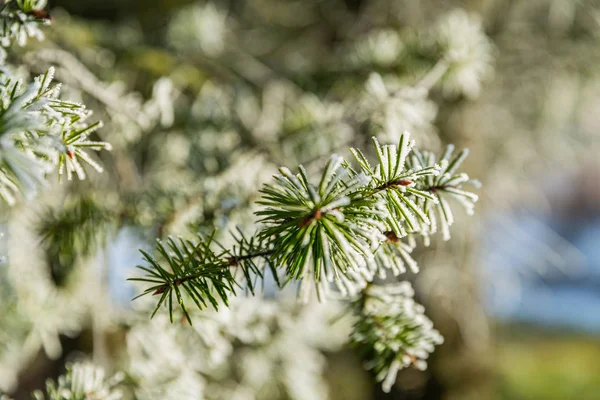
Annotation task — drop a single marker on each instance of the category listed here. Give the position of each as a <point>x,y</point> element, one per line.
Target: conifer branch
<point>345,230</point>
<point>21,19</point>
<point>39,134</point>
<point>392,332</point>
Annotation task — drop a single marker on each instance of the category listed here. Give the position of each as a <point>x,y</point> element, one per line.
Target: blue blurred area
<point>123,256</point>
<point>544,269</point>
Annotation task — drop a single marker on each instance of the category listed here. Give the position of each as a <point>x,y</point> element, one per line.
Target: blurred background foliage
<point>516,294</point>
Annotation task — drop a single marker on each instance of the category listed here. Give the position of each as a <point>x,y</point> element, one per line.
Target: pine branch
<point>447,185</point>
<point>40,133</point>
<point>204,271</point>
<point>82,380</point>
<point>21,19</point>
<point>392,332</point>
<point>345,230</point>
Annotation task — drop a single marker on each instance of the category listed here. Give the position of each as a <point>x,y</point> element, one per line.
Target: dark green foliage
<point>71,233</point>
